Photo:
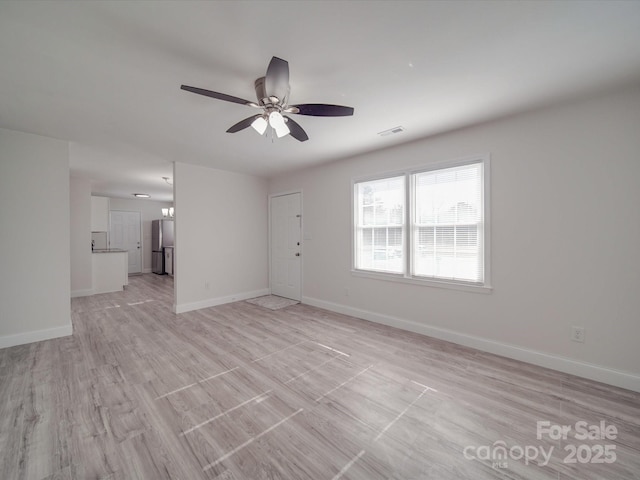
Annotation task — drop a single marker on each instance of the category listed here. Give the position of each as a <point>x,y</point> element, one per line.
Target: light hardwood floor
<point>242,392</point>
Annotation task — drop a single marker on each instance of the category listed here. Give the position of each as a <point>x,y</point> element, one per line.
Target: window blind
<point>447,224</point>
<point>380,225</point>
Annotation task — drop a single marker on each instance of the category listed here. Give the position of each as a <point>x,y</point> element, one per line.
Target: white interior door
<point>125,234</point>
<point>286,248</point>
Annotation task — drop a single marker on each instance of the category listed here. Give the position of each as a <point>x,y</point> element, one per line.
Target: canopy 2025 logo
<point>593,452</point>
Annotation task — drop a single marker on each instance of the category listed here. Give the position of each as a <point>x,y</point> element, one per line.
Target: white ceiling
<point>106,75</point>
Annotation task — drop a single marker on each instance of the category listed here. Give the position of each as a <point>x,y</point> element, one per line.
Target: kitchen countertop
<point>108,250</point>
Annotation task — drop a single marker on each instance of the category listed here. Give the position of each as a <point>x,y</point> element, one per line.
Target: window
<point>424,225</point>
<point>380,228</point>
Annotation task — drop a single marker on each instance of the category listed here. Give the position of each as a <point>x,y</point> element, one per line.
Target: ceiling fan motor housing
<point>261,93</point>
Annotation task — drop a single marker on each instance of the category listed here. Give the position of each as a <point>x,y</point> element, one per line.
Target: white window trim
<point>407,277</point>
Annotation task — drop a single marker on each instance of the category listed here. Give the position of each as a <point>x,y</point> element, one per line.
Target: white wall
<point>149,210</point>
<point>34,214</point>
<point>221,236</point>
<point>80,248</point>
<point>565,239</point>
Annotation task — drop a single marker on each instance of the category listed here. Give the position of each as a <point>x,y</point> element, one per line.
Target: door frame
<point>282,194</point>
<point>141,233</point>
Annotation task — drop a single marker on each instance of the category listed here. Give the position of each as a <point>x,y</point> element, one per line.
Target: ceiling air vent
<point>391,131</point>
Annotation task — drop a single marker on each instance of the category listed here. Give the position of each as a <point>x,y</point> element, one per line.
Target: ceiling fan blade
<point>322,110</point>
<point>216,95</point>
<point>242,124</point>
<point>277,79</point>
<point>296,130</point>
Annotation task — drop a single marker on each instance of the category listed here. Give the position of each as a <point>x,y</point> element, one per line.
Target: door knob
<point>298,254</point>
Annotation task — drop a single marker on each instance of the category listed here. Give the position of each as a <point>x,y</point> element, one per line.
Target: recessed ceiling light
<point>142,195</point>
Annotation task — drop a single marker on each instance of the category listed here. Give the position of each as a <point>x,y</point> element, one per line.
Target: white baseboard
<point>35,336</point>
<point>598,373</point>
<point>81,293</point>
<point>212,302</point>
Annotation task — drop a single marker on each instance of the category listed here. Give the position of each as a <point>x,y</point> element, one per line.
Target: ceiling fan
<point>272,92</point>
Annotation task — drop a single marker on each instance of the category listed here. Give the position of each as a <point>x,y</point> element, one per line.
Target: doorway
<point>124,233</point>
<point>286,249</point>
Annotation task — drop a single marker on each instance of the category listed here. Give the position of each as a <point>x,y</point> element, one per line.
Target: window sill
<point>465,287</point>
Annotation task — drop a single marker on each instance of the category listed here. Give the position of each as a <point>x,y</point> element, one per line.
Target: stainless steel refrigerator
<point>161,237</point>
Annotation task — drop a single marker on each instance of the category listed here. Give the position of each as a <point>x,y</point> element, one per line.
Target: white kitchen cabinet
<point>99,214</point>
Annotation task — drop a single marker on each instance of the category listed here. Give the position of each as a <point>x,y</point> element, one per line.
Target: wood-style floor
<point>242,392</point>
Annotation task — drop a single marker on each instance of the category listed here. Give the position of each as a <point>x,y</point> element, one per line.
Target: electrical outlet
<point>346,292</point>
<point>206,285</point>
<point>577,334</point>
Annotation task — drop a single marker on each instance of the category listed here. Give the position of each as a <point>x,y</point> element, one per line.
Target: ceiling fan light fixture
<point>281,130</point>
<point>260,125</point>
<point>276,120</point>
